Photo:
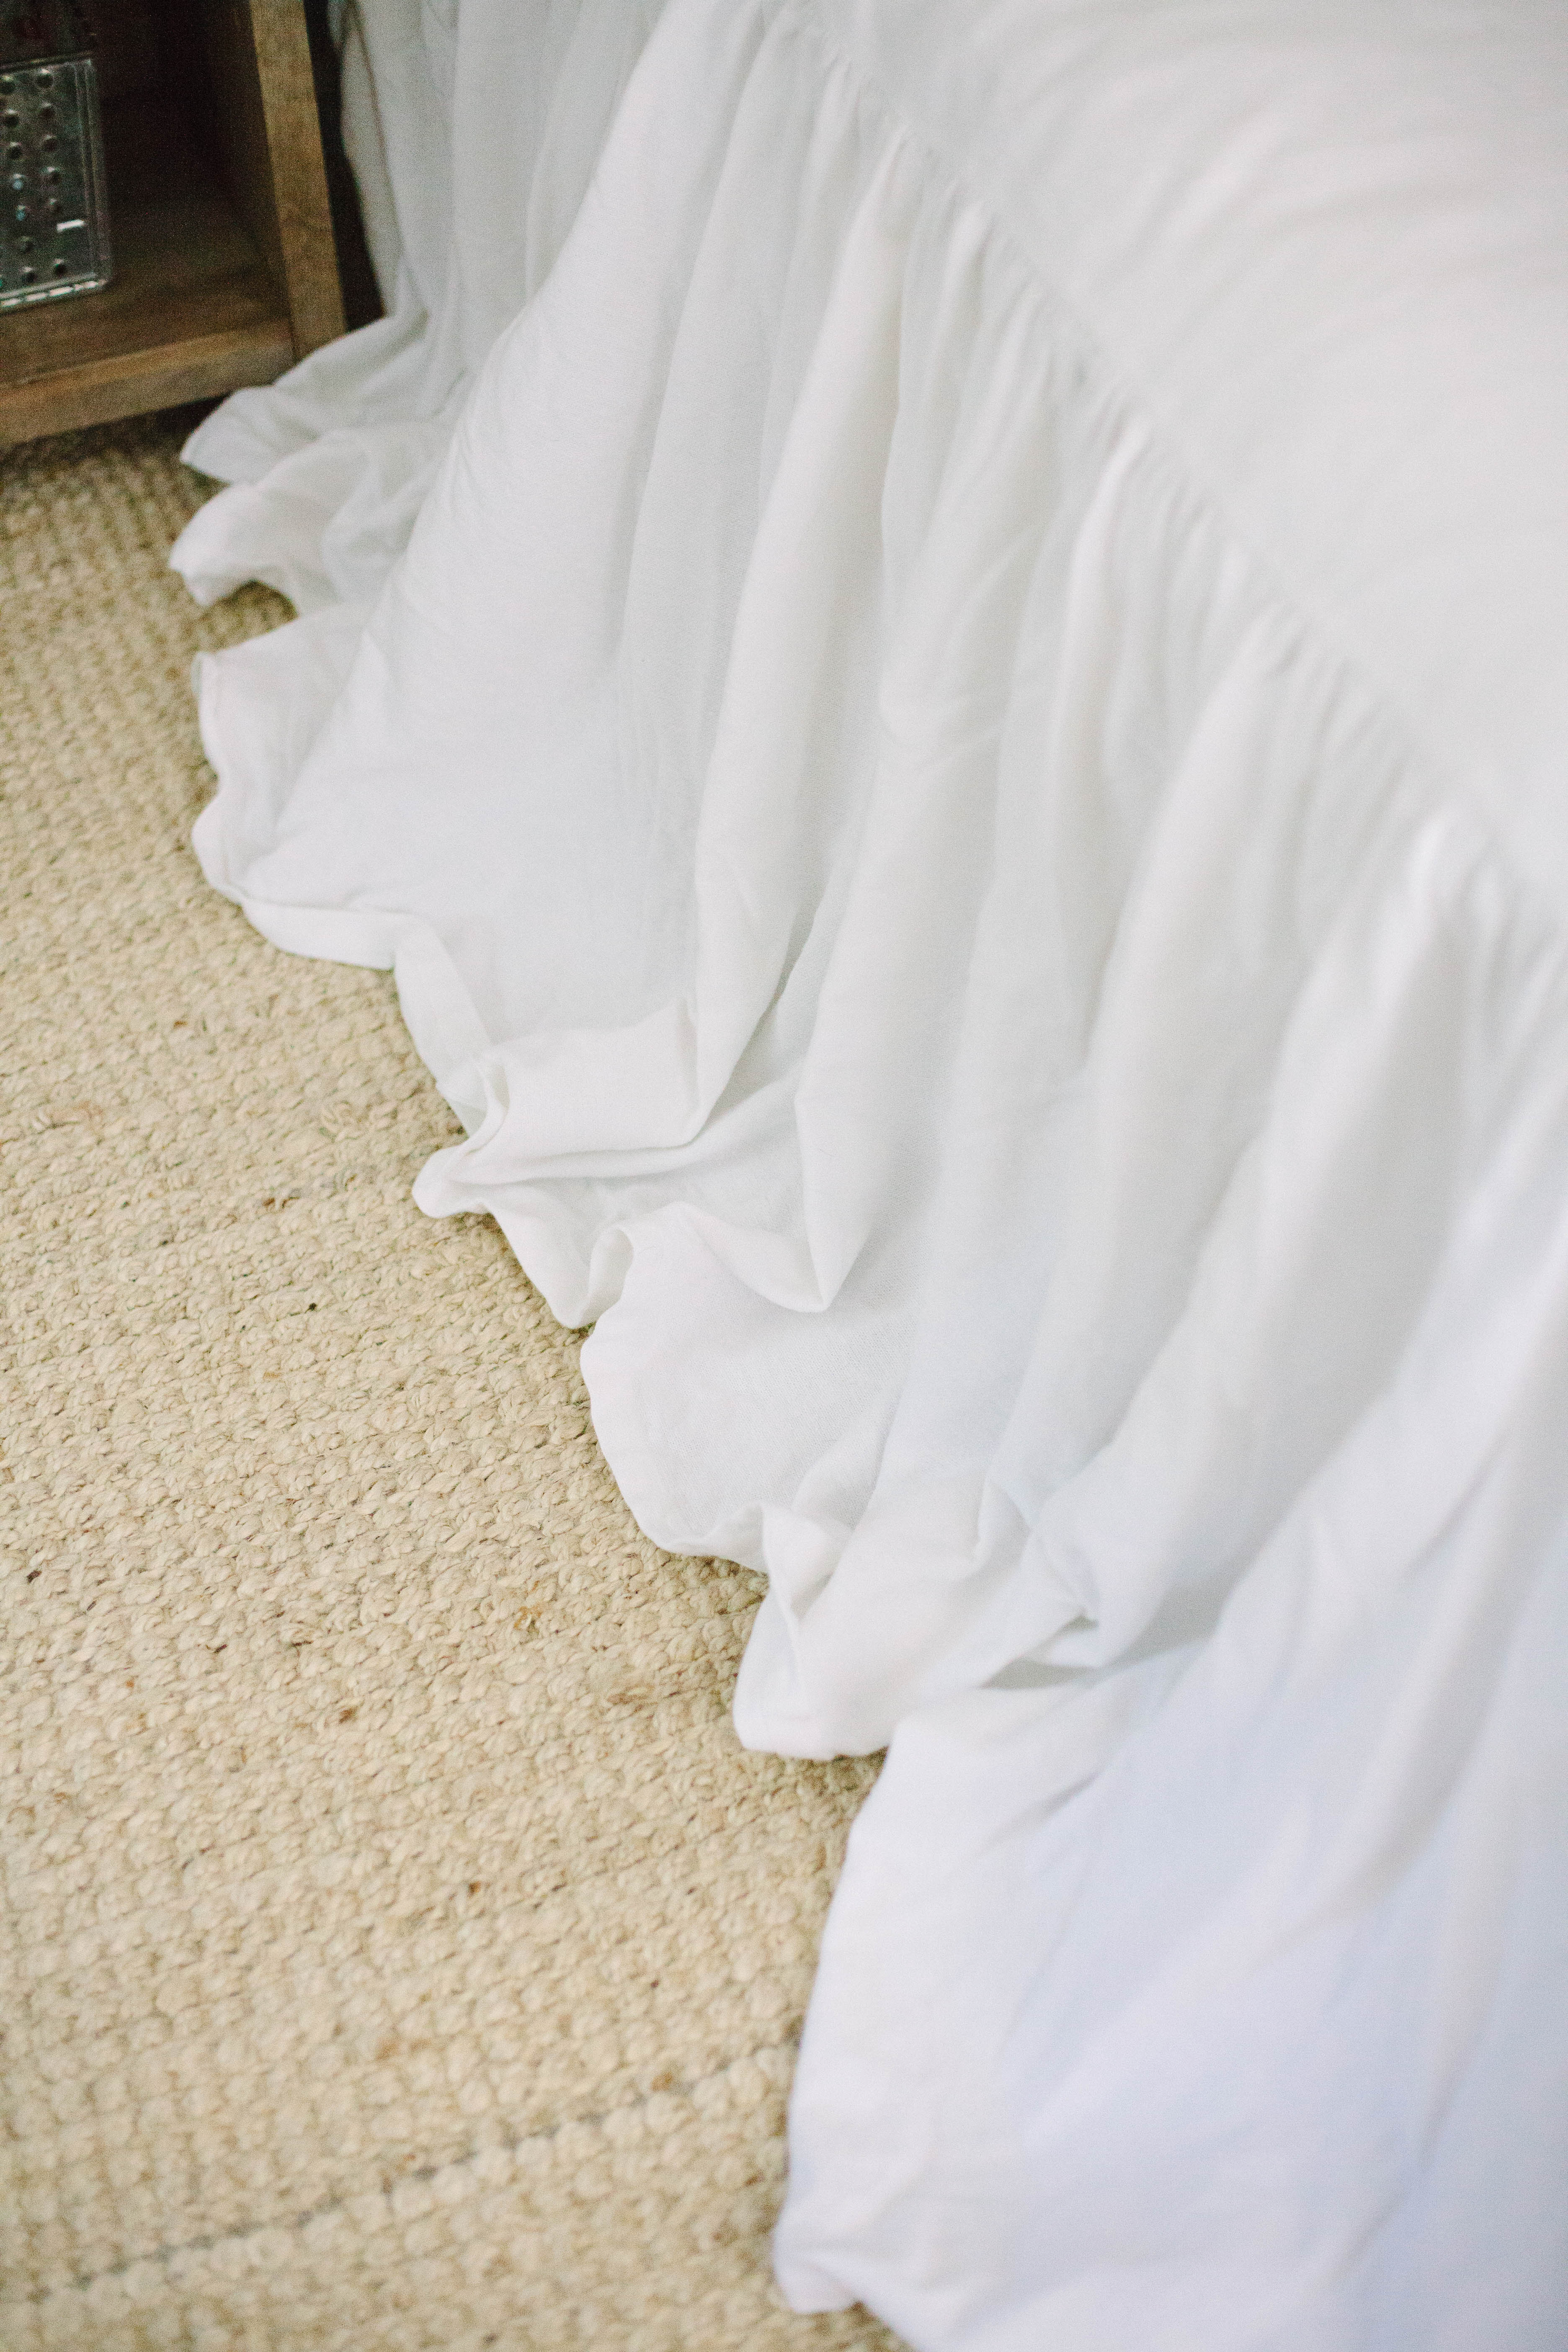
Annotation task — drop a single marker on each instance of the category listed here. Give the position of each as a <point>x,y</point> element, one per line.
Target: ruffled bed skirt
<point>1054,1097</point>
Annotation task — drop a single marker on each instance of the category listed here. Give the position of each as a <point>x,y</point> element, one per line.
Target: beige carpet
<point>398,1950</point>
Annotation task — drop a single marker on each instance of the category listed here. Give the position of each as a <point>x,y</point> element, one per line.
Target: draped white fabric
<point>964,775</point>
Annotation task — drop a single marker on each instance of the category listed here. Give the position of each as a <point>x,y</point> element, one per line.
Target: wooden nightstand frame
<point>226,267</point>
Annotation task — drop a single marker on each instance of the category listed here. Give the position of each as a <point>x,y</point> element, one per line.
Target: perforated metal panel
<point>53,222</point>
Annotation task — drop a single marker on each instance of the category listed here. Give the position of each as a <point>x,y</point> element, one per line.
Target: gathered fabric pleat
<point>1048,1083</point>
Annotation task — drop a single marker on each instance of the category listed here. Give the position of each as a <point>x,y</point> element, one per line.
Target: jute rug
<point>399,1951</point>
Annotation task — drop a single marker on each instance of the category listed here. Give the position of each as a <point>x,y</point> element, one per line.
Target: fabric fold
<point>993,910</point>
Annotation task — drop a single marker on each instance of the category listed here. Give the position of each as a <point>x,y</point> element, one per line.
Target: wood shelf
<point>224,267</point>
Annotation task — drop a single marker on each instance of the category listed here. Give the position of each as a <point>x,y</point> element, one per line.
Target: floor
<point>398,1948</point>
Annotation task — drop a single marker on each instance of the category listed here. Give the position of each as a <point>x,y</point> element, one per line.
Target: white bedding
<point>964,778</point>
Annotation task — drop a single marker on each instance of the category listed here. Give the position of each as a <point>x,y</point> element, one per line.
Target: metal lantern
<point>53,222</point>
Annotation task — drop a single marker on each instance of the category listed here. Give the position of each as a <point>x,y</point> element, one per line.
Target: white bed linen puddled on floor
<point>964,775</point>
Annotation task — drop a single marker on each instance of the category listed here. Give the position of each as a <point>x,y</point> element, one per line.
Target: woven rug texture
<point>398,1951</point>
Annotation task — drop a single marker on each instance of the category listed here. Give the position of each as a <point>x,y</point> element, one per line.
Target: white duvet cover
<point>965,776</point>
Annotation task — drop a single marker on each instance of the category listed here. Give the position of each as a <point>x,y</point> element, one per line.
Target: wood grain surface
<point>225,268</point>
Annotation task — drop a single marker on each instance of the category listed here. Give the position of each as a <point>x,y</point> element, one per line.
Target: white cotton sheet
<point>964,777</point>
<point>472,156</point>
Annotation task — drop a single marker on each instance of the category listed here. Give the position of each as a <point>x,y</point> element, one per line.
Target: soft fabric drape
<point>964,775</point>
